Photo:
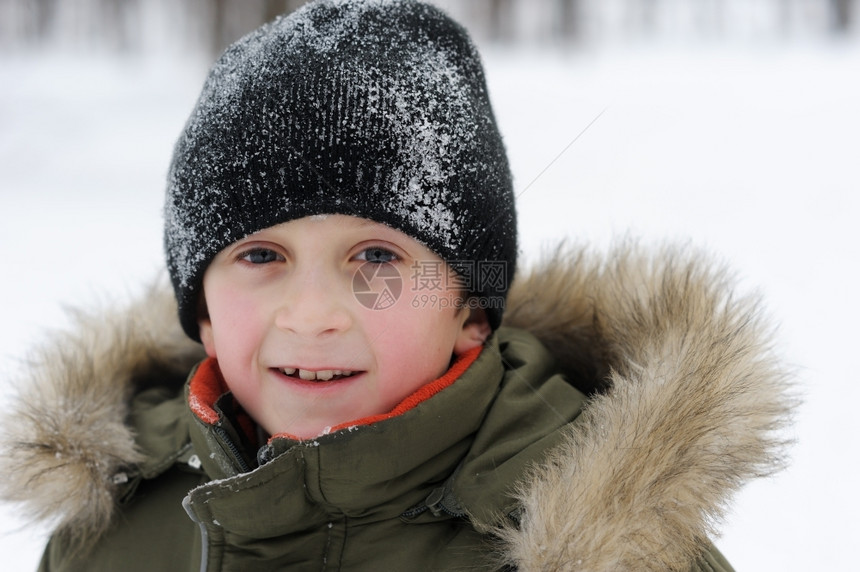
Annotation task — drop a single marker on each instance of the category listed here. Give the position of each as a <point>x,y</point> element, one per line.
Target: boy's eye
<point>260,256</point>
<point>377,255</point>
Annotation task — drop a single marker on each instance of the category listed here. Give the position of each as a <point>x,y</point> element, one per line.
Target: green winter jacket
<point>510,467</point>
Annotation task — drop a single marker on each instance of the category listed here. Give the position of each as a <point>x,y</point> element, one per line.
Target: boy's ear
<point>476,330</point>
<point>204,324</point>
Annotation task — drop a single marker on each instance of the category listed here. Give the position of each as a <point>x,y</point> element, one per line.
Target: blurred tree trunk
<point>499,18</point>
<point>569,19</point>
<point>293,5</point>
<point>45,12</point>
<point>843,14</point>
<point>273,9</point>
<point>648,14</point>
<point>116,16</point>
<point>219,32</point>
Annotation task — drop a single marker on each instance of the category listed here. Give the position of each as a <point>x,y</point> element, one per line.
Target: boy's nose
<point>313,307</point>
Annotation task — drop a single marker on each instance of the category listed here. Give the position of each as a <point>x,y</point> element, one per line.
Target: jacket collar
<point>367,470</point>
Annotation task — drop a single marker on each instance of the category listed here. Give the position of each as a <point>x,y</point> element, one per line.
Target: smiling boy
<point>348,135</point>
<point>332,153</point>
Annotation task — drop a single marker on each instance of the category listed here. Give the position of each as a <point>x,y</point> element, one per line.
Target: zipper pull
<point>265,454</point>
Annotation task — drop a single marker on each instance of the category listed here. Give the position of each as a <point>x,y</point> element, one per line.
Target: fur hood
<point>687,403</point>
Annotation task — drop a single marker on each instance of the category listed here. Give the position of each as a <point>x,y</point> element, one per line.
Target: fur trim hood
<point>687,403</point>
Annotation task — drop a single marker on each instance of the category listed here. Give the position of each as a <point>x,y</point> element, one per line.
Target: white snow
<point>749,152</point>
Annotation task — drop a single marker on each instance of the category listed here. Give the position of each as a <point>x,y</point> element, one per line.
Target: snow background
<point>749,150</point>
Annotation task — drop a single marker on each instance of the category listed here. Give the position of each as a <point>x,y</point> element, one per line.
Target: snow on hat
<point>371,108</point>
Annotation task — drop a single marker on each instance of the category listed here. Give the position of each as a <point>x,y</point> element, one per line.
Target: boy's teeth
<point>322,375</point>
<point>307,375</point>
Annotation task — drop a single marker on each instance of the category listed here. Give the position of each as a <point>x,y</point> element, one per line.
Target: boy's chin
<point>305,432</point>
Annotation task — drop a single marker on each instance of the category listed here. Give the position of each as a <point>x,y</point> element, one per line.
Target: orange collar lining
<point>206,386</point>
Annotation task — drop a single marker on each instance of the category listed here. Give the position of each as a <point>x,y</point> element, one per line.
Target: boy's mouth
<point>321,375</point>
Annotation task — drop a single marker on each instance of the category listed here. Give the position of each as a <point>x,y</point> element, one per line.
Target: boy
<point>340,235</point>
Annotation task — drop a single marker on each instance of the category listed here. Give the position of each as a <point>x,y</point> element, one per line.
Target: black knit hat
<point>371,108</point>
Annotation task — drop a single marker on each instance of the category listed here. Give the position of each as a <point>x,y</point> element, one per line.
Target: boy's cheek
<point>232,316</point>
<point>432,304</point>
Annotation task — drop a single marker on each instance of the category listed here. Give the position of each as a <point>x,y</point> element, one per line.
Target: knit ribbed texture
<point>376,109</point>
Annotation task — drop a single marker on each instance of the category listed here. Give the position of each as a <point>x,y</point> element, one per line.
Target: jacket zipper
<point>225,439</point>
<point>414,511</point>
<point>234,450</point>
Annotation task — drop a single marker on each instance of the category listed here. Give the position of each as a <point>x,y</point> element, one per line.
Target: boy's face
<point>280,305</point>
